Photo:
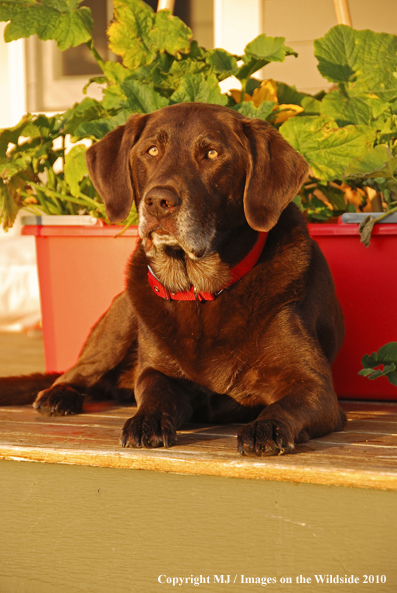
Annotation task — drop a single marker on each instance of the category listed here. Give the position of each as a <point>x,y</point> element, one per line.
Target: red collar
<point>237,272</point>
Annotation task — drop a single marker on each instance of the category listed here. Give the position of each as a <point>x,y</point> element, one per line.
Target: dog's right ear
<point>108,163</point>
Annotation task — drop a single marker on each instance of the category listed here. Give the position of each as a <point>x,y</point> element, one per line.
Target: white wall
<point>300,22</point>
<point>19,293</point>
<point>12,81</point>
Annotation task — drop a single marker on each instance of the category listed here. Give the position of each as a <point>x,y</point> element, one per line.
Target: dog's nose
<point>161,202</point>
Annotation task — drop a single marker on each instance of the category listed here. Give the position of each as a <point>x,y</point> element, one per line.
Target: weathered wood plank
<point>365,455</point>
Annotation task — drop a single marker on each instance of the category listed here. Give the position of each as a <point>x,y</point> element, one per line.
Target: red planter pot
<point>366,284</point>
<point>81,269</point>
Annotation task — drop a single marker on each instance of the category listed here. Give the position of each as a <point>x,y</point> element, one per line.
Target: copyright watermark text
<point>227,579</point>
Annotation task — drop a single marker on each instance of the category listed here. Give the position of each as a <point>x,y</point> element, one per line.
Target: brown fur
<point>259,353</point>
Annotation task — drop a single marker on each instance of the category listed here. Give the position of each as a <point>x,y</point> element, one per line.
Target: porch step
<point>80,517</point>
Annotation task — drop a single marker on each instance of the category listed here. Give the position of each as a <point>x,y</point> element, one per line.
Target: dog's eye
<point>153,151</point>
<point>212,154</point>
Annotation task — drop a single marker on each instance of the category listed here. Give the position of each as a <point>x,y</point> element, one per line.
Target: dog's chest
<point>218,344</point>
<point>210,343</point>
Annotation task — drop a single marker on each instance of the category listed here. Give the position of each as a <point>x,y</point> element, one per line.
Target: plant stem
<point>98,59</point>
<point>385,214</point>
<point>63,152</point>
<point>125,227</point>
<point>31,207</point>
<point>94,204</point>
<point>82,200</point>
<point>42,202</point>
<point>243,87</point>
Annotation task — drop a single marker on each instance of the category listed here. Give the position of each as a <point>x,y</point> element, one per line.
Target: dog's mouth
<point>157,240</point>
<point>162,237</point>
<point>162,240</point>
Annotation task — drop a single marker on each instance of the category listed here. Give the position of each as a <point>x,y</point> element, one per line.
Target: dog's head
<point>195,171</point>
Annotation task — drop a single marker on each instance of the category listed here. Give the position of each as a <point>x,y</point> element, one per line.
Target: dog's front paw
<point>265,437</point>
<point>149,430</point>
<point>59,400</point>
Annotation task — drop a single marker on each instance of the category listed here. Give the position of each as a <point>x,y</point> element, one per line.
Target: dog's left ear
<point>275,173</point>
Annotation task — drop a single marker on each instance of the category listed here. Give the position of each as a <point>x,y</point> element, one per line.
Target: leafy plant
<point>348,135</point>
<point>386,359</point>
<point>160,66</point>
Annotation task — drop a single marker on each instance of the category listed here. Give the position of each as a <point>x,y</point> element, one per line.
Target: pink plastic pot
<point>82,268</point>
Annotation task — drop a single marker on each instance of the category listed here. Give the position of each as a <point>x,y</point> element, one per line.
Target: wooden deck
<point>21,353</point>
<point>363,456</point>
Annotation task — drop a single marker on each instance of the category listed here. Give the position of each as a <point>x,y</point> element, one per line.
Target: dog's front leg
<point>109,341</point>
<point>163,405</point>
<point>295,383</point>
<point>308,410</point>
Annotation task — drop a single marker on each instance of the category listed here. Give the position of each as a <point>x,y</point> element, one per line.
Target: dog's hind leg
<point>109,342</point>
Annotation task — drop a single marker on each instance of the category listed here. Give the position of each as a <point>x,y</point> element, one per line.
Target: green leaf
<point>60,20</point>
<point>142,98</point>
<point>335,197</point>
<point>75,168</point>
<point>97,129</point>
<point>199,89</point>
<point>113,97</point>
<point>377,162</point>
<point>12,135</point>
<point>364,60</point>
<point>252,84</point>
<point>311,105</point>
<point>170,34</point>
<point>73,28</point>
<point>115,71</point>
<point>248,109</point>
<point>157,73</point>
<point>181,68</point>
<point>337,54</point>
<point>40,126</point>
<point>346,110</point>
<point>375,374</point>
<point>197,52</point>
<point>329,150</point>
<point>88,110</point>
<point>138,34</point>
<point>289,95</point>
<point>365,229</point>
<point>16,163</point>
<point>129,33</point>
<point>94,80</point>
<point>250,66</point>
<point>386,356</point>
<point>223,63</point>
<point>30,127</point>
<point>316,210</point>
<point>363,108</point>
<point>260,52</point>
<point>8,207</point>
<point>271,49</point>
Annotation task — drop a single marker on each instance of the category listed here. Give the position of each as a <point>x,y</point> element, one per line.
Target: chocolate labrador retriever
<point>230,313</point>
